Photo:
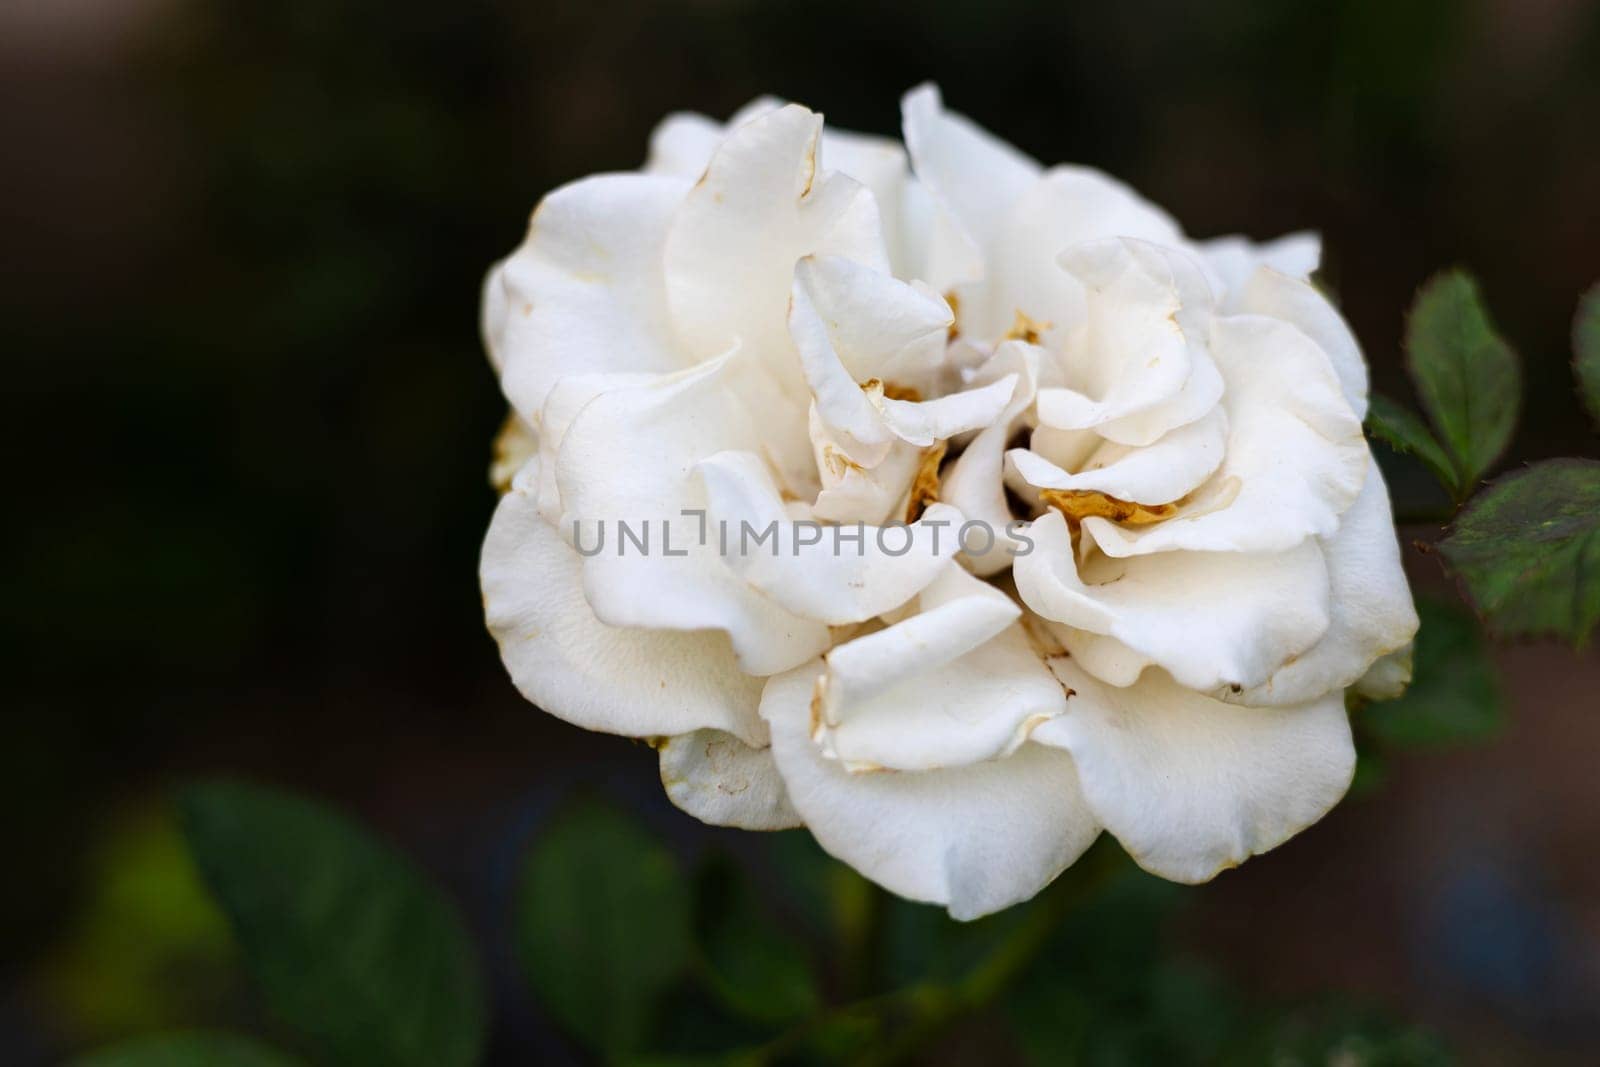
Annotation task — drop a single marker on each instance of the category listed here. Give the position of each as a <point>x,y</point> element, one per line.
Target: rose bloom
<point>1178,554</point>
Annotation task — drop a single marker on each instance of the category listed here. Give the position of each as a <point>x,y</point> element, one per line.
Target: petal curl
<point>1278,295</point>
<point>1067,206</point>
<point>974,484</point>
<point>1192,786</point>
<point>1234,259</point>
<point>1296,456</point>
<point>561,657</point>
<point>975,839</point>
<point>953,683</point>
<point>584,294</point>
<point>763,203</point>
<point>834,575</point>
<point>1168,469</point>
<point>1139,363</point>
<point>720,780</point>
<point>629,457</point>
<point>1212,619</point>
<point>973,179</point>
<point>1372,612</point>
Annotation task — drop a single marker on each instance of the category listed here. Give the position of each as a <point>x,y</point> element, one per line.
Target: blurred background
<point>250,423</point>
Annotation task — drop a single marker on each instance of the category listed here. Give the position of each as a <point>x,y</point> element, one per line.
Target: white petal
<point>1279,296</point>
<point>954,683</point>
<point>584,293</point>
<point>562,403</point>
<point>878,327</point>
<point>720,780</point>
<point>634,682</point>
<point>854,493</point>
<point>974,179</point>
<point>1233,259</point>
<point>1296,455</point>
<point>1067,206</point>
<point>851,324</point>
<point>683,144</point>
<point>764,203</point>
<point>973,485</point>
<point>836,575</point>
<point>1139,363</point>
<point>976,838</point>
<point>879,164</point>
<point>1192,786</point>
<point>629,457</point>
<point>1372,612</point>
<point>1159,473</point>
<point>1212,619</point>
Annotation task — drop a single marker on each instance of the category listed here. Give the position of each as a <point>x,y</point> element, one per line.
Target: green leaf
<point>347,941</point>
<point>1404,431</point>
<point>754,966</point>
<point>149,949</point>
<point>603,926</point>
<point>1586,351</point>
<point>186,1049</point>
<point>1455,693</point>
<point>1468,379</point>
<point>1528,550</point>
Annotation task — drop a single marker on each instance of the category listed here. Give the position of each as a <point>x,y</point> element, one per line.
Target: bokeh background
<point>249,421</point>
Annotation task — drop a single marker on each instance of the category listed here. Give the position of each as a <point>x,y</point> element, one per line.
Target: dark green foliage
<point>1468,379</point>
<point>603,926</point>
<point>187,1050</point>
<point>1404,431</point>
<point>1528,550</point>
<point>755,966</point>
<point>347,941</point>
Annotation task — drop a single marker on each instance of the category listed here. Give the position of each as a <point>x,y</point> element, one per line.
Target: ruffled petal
<point>566,398</point>
<point>763,204</point>
<point>628,459</point>
<point>584,293</point>
<point>1277,295</point>
<point>1296,456</point>
<point>852,492</point>
<point>1192,786</point>
<point>1139,363</point>
<point>833,574</point>
<point>975,838</point>
<point>954,683</point>
<point>851,325</point>
<point>1172,467</point>
<point>973,179</point>
<point>1234,259</point>
<point>974,484</point>
<point>1066,207</point>
<point>1373,617</point>
<point>1213,620</point>
<point>683,143</point>
<point>561,657</point>
<point>720,780</point>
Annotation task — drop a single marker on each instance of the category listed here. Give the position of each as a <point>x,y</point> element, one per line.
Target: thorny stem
<point>930,1007</point>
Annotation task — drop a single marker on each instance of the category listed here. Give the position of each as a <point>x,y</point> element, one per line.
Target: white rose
<point>1192,552</point>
